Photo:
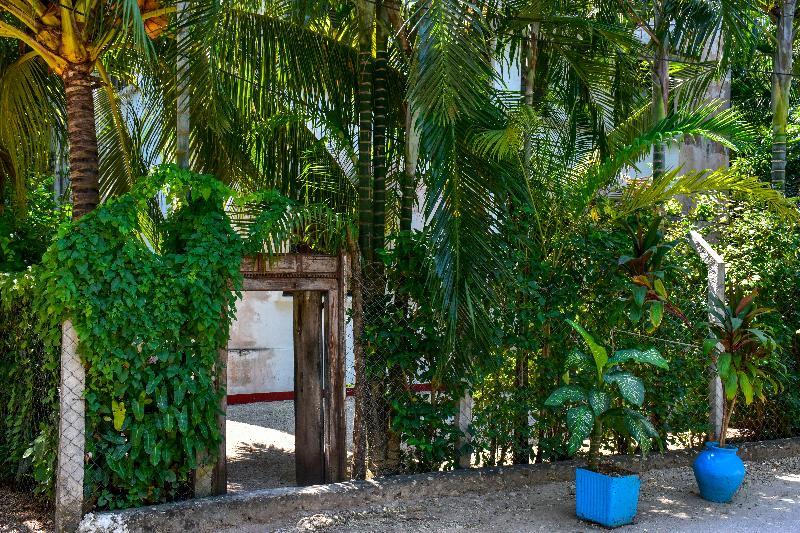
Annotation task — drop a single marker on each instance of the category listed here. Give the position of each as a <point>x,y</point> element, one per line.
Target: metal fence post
<point>71,434</point>
<point>716,294</point>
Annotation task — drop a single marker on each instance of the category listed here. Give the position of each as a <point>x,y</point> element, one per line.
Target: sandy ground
<point>260,445</point>
<point>258,457</point>
<point>768,501</point>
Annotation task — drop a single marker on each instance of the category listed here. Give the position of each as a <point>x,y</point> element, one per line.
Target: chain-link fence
<point>410,415</point>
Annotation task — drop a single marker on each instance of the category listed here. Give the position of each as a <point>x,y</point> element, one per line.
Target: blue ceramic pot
<point>719,472</point>
<point>607,500</point>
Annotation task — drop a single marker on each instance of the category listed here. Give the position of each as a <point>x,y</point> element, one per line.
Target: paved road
<point>769,501</point>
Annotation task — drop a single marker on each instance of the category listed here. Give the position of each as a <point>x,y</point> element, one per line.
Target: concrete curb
<point>268,506</point>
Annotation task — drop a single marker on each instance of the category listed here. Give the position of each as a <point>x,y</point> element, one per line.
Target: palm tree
<point>72,38</point>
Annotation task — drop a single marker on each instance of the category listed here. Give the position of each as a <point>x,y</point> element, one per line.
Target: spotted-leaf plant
<point>600,394</point>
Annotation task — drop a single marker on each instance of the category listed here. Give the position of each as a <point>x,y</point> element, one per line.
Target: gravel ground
<point>669,503</point>
<point>21,513</point>
<point>260,444</point>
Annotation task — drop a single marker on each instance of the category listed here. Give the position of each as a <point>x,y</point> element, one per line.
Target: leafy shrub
<point>150,322</point>
<point>26,234</point>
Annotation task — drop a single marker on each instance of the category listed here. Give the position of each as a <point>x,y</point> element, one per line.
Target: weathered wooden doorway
<point>317,284</point>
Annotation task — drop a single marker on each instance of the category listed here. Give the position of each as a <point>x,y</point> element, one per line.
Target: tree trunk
<point>182,127</point>
<point>528,79</point>
<point>410,175</point>
<point>660,100</point>
<point>521,452</point>
<point>365,131</point>
<point>82,136</point>
<point>379,135</point>
<point>781,87</point>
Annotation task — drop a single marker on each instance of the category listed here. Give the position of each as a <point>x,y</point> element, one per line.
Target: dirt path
<point>769,501</point>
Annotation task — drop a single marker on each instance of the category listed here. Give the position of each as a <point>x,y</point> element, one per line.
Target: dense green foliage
<point>150,322</point>
<point>27,231</point>
<point>29,357</point>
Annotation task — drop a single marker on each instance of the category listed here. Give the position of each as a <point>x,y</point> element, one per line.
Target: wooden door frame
<point>307,272</point>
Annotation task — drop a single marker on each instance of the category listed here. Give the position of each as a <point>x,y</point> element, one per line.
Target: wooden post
<point>308,402</point>
<point>71,434</point>
<point>716,294</point>
<point>335,424</point>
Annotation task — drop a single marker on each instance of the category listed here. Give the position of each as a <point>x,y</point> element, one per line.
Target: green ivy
<point>150,314</point>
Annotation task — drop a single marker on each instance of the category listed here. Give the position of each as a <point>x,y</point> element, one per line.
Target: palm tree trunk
<point>379,135</point>
<point>781,86</point>
<point>660,100</point>
<point>365,131</point>
<point>82,136</point>
<point>182,126</point>
<point>528,78</point>
<point>410,171</point>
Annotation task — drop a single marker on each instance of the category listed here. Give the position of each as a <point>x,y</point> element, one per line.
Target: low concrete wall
<point>266,506</point>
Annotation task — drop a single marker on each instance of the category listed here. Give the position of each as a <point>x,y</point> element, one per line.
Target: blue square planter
<point>607,500</point>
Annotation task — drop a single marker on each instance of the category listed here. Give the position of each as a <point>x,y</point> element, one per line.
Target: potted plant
<point>599,395</point>
<point>741,352</point>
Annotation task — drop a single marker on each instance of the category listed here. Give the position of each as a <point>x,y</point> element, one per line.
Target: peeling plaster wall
<point>261,351</point>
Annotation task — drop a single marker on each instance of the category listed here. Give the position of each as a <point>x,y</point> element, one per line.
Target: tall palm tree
<point>72,38</point>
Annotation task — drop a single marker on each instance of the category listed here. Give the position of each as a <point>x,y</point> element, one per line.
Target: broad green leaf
<point>649,356</point>
<point>747,389</point>
<point>118,409</point>
<point>638,432</point>
<point>630,387</point>
<point>138,410</point>
<point>656,313</point>
<point>598,352</point>
<point>580,422</point>
<point>639,294</point>
<point>724,365</point>
<point>709,345</point>
<point>648,426</point>
<point>560,396</point>
<point>600,401</point>
<point>161,399</point>
<point>658,285</point>
<point>577,359</point>
<point>731,385</point>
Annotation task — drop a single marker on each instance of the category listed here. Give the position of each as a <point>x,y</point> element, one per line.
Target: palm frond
<point>723,181</point>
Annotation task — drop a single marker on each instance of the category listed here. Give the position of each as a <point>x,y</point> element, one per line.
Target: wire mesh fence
<point>408,416</point>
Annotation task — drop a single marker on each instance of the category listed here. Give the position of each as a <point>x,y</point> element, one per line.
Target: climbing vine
<point>151,304</point>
